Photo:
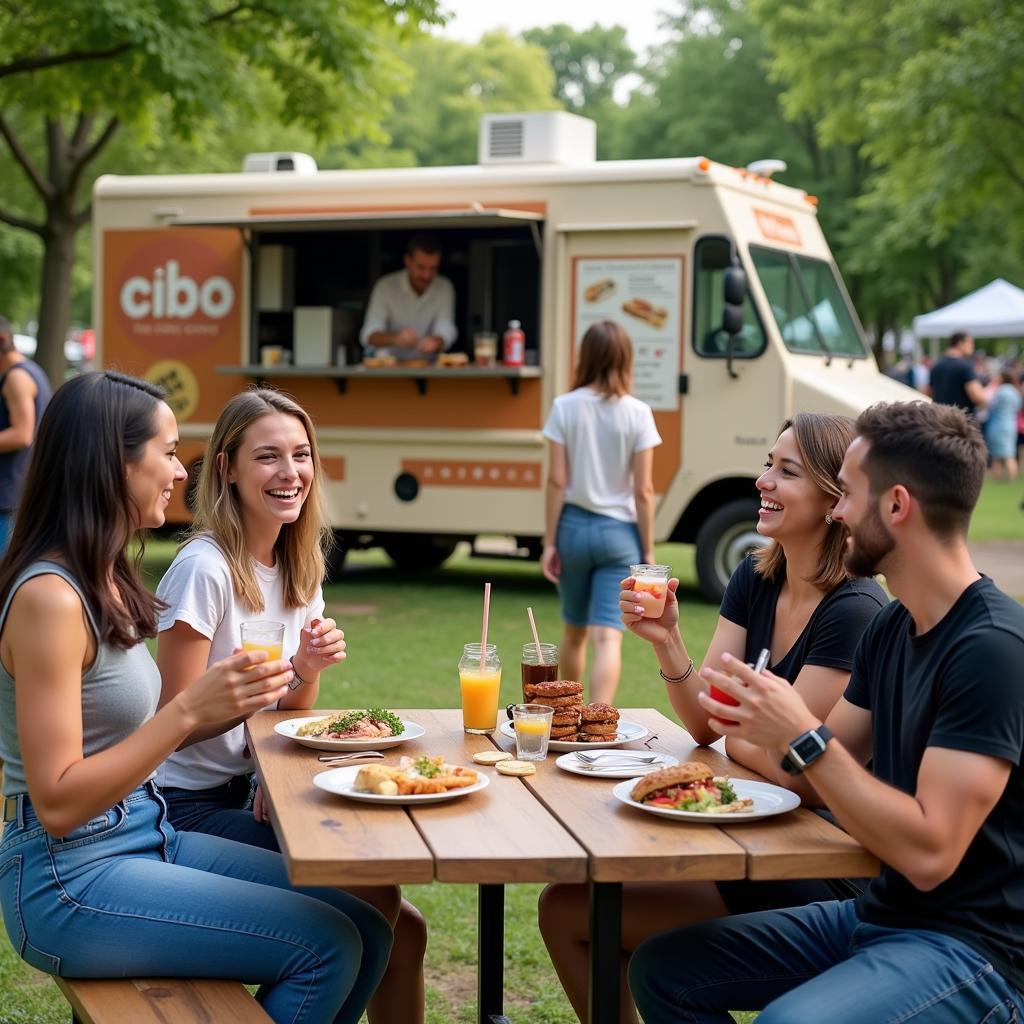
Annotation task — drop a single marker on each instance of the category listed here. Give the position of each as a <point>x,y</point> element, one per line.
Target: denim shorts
<point>596,553</point>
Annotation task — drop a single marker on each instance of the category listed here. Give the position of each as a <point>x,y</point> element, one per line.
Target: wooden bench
<point>160,1001</point>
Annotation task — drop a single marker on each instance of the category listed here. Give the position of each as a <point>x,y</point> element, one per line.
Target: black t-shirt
<point>830,636</point>
<point>959,686</point>
<point>949,379</point>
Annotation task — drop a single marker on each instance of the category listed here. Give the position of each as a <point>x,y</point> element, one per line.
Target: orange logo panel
<point>472,473</point>
<point>777,227</point>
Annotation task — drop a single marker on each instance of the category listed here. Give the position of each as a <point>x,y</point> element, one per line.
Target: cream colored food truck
<point>209,282</point>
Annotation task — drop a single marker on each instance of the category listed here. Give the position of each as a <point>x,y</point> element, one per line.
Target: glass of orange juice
<point>480,683</point>
<point>264,636</point>
<point>653,580</point>
<point>532,723</point>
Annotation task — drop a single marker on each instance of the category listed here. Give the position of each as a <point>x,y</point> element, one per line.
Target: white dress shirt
<point>394,306</point>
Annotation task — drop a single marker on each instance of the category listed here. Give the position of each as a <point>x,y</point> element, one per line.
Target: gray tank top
<point>120,691</point>
<point>14,465</point>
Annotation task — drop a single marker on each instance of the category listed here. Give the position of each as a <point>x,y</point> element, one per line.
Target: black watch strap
<point>806,749</point>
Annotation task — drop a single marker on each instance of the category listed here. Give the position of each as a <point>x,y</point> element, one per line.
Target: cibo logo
<point>172,295</point>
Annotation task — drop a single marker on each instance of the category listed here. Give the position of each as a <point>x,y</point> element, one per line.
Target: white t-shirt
<point>197,590</point>
<point>601,436</point>
<point>394,305</point>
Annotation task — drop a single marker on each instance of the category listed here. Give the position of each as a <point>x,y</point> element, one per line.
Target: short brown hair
<point>933,450</point>
<point>606,359</point>
<point>822,441</point>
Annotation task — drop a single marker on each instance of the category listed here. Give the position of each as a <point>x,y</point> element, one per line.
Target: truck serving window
<point>712,255</point>
<point>810,308</point>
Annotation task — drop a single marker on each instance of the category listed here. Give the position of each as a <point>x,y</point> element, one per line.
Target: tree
<point>74,74</point>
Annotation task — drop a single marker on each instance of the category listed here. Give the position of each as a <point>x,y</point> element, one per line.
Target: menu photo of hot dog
<point>646,311</point>
<point>599,290</point>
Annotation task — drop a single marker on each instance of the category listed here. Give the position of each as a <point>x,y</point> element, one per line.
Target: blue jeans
<point>125,895</point>
<point>224,811</point>
<point>596,553</point>
<point>812,964</point>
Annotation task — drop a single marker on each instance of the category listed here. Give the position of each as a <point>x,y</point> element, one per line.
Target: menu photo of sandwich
<point>646,311</point>
<point>603,289</point>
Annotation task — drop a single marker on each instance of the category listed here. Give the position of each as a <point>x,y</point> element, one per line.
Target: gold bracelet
<point>677,679</point>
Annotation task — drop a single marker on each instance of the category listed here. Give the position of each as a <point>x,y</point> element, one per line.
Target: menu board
<point>644,295</point>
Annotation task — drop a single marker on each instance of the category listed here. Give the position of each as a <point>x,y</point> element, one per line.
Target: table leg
<point>491,954</point>
<point>605,952</point>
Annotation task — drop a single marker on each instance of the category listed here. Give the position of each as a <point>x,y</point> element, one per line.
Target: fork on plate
<point>355,755</point>
<point>623,758</point>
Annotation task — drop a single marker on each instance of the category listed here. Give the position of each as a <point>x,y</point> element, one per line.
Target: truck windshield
<point>810,308</point>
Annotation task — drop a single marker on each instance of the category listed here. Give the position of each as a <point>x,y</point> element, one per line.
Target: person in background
<point>24,392</point>
<point>936,705</point>
<point>953,380</point>
<point>794,597</point>
<point>412,311</point>
<point>599,505</point>
<point>256,551</point>
<point>1001,425</point>
<point>94,880</point>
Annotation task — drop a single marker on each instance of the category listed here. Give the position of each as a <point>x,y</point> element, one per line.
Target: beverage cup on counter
<point>532,724</point>
<point>539,667</point>
<point>652,580</point>
<point>480,685</point>
<point>261,635</point>
<point>272,355</point>
<point>485,348</point>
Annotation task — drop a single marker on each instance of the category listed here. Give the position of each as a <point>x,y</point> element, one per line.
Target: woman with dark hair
<point>599,507</point>
<point>794,597</point>
<point>256,550</point>
<point>94,880</point>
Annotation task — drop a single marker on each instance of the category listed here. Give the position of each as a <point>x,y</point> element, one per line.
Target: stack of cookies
<point>565,696</point>
<point>599,723</point>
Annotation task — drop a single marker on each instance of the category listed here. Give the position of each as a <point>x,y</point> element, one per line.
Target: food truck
<point>207,283</point>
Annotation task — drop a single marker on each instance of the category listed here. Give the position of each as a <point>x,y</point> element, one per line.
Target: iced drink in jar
<point>539,667</point>
<point>480,684</point>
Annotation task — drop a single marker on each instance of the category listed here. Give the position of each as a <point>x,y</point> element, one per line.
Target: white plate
<point>569,763</point>
<point>289,728</point>
<point>768,800</point>
<point>341,780</point>
<point>628,732</point>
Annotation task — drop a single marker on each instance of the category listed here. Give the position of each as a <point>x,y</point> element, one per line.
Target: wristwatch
<point>296,680</point>
<point>806,749</point>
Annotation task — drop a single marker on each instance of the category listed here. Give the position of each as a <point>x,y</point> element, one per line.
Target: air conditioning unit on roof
<point>544,137</point>
<point>300,163</point>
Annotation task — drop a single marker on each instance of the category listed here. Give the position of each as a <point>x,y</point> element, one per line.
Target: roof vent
<point>260,163</point>
<point>545,137</point>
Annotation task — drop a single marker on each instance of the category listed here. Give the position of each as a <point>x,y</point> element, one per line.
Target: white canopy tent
<point>995,311</point>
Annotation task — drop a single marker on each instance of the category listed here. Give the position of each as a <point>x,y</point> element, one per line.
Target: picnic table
<point>549,827</point>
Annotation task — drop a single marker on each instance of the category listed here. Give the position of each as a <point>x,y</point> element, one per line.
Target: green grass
<point>405,637</point>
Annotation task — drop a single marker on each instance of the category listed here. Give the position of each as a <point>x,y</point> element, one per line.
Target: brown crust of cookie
<point>557,688</point>
<point>571,700</point>
<point>565,718</point>
<point>600,713</point>
<point>593,737</point>
<point>600,728</point>
<point>563,732</point>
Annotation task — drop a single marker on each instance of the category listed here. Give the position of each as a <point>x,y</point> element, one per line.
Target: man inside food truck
<point>411,312</point>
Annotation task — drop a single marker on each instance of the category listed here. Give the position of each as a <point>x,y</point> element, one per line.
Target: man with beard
<point>936,703</point>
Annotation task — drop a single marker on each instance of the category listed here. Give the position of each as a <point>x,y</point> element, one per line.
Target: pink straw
<point>487,612</point>
<point>536,638</point>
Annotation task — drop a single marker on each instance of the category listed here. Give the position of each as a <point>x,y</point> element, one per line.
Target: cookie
<point>514,767</point>
<point>571,700</point>
<point>492,756</point>
<point>565,718</point>
<point>599,713</point>
<point>563,732</point>
<point>557,688</point>
<point>599,728</point>
<point>595,737</point>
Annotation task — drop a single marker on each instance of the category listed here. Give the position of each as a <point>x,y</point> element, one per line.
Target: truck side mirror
<point>734,286</point>
<point>732,320</point>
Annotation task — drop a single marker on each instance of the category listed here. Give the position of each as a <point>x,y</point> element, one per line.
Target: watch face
<point>808,747</point>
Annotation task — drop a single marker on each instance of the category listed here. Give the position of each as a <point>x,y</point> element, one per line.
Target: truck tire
<point>417,553</point>
<point>725,538</point>
<point>336,559</point>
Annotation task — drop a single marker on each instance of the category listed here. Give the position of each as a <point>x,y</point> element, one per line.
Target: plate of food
<point>360,729</point>
<point>614,764</point>
<point>692,792</point>
<point>414,780</point>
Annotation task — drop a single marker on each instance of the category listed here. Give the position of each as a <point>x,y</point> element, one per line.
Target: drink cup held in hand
<point>532,724</point>
<point>264,636</point>
<point>480,685</point>
<point>723,698</point>
<point>539,668</point>
<point>652,580</point>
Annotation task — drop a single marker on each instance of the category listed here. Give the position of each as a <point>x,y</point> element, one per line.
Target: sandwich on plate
<point>690,787</point>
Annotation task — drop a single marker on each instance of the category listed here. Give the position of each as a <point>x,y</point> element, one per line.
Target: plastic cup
<point>652,580</point>
<point>264,636</point>
<point>723,698</point>
<point>485,348</point>
<point>532,724</point>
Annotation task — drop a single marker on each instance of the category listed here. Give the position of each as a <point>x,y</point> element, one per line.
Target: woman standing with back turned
<point>599,505</point>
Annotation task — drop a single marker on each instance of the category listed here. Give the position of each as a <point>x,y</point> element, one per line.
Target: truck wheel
<point>417,553</point>
<point>725,538</point>
<point>336,559</point>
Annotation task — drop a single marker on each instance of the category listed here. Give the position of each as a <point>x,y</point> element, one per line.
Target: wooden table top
<point>550,827</point>
<point>627,845</point>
